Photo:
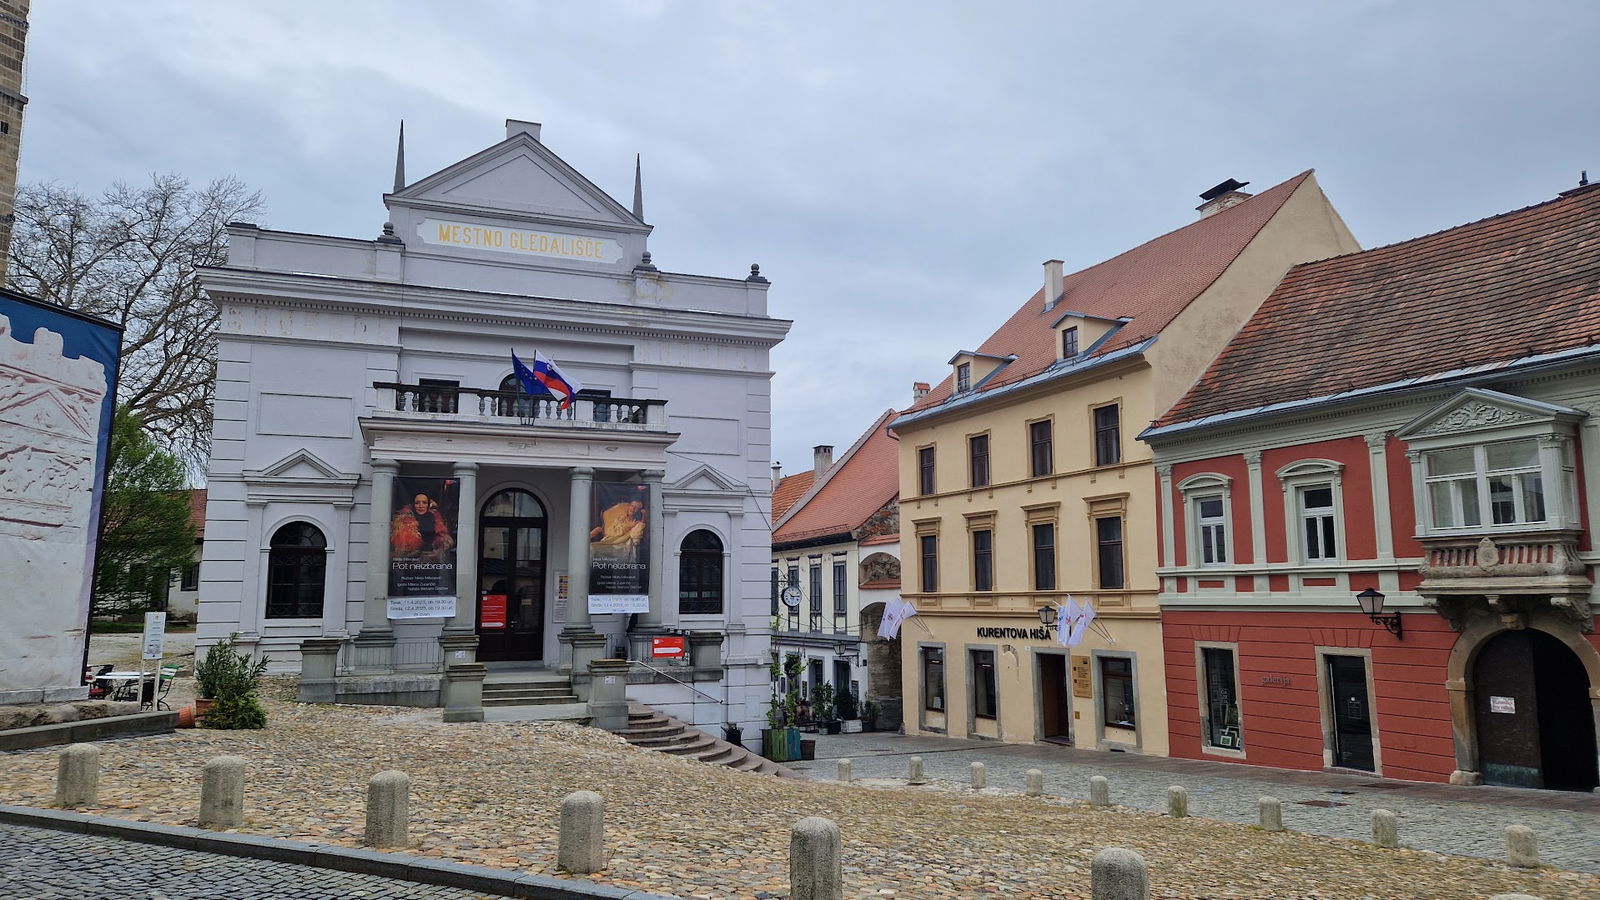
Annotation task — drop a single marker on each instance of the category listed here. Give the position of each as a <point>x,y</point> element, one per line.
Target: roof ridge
<point>820,484</point>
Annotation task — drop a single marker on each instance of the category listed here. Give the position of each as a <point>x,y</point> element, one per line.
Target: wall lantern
<point>1047,616</point>
<point>1372,604</point>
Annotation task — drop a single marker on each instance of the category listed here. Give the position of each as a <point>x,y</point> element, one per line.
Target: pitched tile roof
<point>856,487</point>
<point>1518,284</point>
<point>790,488</point>
<point>1149,284</point>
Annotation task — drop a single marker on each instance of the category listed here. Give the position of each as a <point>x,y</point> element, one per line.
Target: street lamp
<point>1372,604</point>
<point>1047,615</point>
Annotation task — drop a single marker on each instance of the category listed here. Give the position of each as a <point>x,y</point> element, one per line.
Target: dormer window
<point>963,378</point>
<point>1069,342</point>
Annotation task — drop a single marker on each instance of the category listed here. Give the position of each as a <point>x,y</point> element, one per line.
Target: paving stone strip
<point>489,794</point>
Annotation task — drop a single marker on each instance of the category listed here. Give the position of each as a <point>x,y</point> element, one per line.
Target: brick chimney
<point>1052,283</point>
<point>1223,196</point>
<point>919,390</point>
<point>822,456</point>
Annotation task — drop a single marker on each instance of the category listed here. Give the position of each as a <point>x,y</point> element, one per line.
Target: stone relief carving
<point>1477,414</point>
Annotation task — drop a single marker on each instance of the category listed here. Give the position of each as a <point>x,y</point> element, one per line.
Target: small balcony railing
<point>1516,555</point>
<point>836,626</point>
<point>412,401</point>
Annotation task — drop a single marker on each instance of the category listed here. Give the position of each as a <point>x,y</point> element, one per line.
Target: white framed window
<point>1500,483</point>
<point>1207,499</point>
<point>1313,492</point>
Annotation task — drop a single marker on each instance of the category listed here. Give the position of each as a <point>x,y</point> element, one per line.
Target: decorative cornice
<point>1476,414</point>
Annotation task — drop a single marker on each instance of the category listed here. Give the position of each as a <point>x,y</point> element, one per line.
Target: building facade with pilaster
<point>389,504</point>
<point>1376,510</point>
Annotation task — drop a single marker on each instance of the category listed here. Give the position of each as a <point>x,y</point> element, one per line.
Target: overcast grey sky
<point>899,169</point>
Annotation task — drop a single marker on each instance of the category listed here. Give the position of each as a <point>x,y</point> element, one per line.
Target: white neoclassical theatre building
<point>390,508</point>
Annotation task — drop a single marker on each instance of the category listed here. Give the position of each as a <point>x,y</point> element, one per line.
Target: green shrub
<point>236,712</point>
<point>231,678</point>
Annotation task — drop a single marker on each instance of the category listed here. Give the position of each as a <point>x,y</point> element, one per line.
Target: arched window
<point>700,573</point>
<point>296,565</point>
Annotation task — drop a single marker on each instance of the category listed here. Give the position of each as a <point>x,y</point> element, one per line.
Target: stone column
<point>577,566</point>
<point>374,645</point>
<point>459,640</point>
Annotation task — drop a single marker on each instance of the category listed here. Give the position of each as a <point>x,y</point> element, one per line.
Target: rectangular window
<point>1108,537</point>
<point>1041,447</point>
<point>774,590</point>
<point>984,685</point>
<point>925,471</point>
<point>794,582</point>
<point>841,596</point>
<point>983,560</point>
<point>1116,685</point>
<point>933,678</point>
<point>1212,523</point>
<point>816,589</point>
<point>978,459</point>
<point>1317,523</point>
<point>1044,556</point>
<point>1069,342</point>
<point>963,378</point>
<point>929,545</point>
<point>1107,435</point>
<point>1222,726</point>
<point>190,579</point>
<point>1499,483</point>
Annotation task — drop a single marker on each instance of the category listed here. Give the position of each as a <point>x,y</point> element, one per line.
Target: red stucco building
<point>1416,420</point>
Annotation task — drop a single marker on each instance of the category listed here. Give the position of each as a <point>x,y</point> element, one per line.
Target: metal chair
<point>97,689</point>
<point>168,675</point>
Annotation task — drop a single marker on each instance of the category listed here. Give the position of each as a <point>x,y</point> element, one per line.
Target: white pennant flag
<point>1080,624</point>
<point>894,612</point>
<point>1064,616</point>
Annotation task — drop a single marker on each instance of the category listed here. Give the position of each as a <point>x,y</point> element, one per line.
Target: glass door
<point>1352,716</point>
<point>511,575</point>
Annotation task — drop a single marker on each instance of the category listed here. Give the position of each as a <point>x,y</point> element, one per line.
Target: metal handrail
<point>671,677</point>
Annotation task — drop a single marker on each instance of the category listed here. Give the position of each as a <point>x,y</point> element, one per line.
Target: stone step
<point>652,730</point>
<point>551,700</point>
<point>527,689</point>
<point>529,696</point>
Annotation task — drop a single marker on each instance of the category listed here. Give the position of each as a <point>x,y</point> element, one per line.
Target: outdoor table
<point>120,683</point>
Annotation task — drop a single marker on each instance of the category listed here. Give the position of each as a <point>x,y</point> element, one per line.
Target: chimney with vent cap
<point>1223,196</point>
<point>777,474</point>
<point>919,389</point>
<point>823,456</point>
<point>1053,285</point>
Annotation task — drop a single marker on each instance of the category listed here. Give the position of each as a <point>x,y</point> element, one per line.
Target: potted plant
<point>780,740</point>
<point>232,680</point>
<point>822,708</point>
<point>209,673</point>
<point>848,708</point>
<point>869,716</point>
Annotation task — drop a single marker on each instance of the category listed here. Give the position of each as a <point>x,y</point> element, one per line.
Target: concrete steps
<point>528,690</point>
<point>654,730</point>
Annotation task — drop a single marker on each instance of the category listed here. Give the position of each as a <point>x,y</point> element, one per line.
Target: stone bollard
<point>980,776</point>
<point>816,870</point>
<point>1118,874</point>
<point>222,792</point>
<point>1271,813</point>
<point>1035,783</point>
<point>845,775</point>
<point>388,809</point>
<point>78,776</point>
<point>1099,791</point>
<point>1178,802</point>
<point>1522,847</point>
<point>1385,829</point>
<point>583,833</point>
<point>914,774</point>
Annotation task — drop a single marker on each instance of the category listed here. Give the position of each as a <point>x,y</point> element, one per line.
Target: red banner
<point>492,612</point>
<point>666,647</point>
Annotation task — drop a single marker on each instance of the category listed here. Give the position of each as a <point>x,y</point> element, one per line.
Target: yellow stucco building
<point>1021,481</point>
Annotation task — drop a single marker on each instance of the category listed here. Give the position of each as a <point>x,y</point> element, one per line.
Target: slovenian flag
<point>545,378</point>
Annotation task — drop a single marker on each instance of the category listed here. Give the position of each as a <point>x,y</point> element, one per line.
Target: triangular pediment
<point>1480,409</point>
<point>705,478</point>
<point>301,465</point>
<point>522,179</point>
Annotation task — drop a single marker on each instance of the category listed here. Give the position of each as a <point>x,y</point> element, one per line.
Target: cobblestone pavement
<point>1465,821</point>
<point>38,864</point>
<point>489,794</point>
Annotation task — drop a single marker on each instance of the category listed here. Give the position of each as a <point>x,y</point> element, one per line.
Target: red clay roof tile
<point>858,485</point>
<point>790,488</point>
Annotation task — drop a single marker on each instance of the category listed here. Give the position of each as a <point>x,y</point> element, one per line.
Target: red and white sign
<point>493,611</point>
<point>666,647</point>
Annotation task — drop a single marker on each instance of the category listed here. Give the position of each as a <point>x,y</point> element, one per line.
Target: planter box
<point>780,744</point>
<point>831,727</point>
<point>852,726</point>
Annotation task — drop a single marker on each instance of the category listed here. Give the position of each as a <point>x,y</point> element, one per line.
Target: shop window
<point>984,685</point>
<point>1108,552</point>
<point>925,484</point>
<point>933,678</point>
<point>1220,700</point>
<point>1116,691</point>
<point>296,568</point>
<point>983,560</point>
<point>1107,435</point>
<point>700,574</point>
<point>978,459</point>
<point>1044,556</point>
<point>1041,447</point>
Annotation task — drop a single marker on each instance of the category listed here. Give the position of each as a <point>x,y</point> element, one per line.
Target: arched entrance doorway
<point>1535,720</point>
<point>511,569</point>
